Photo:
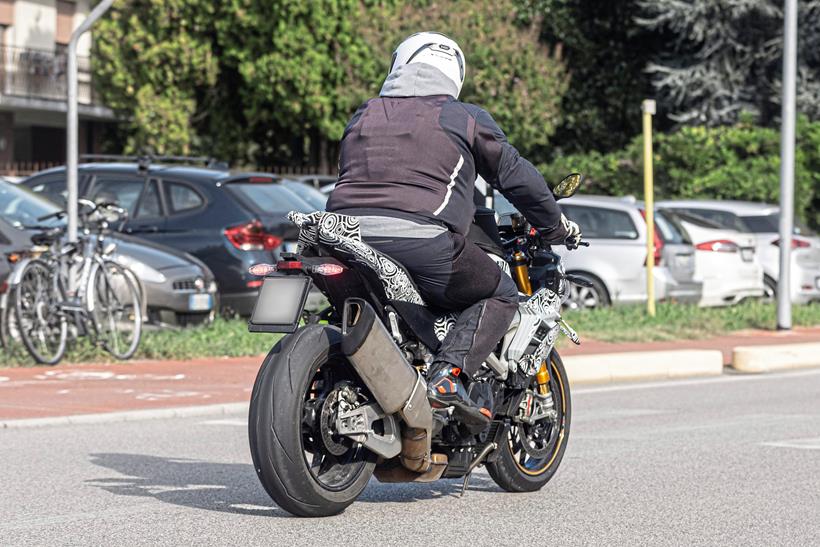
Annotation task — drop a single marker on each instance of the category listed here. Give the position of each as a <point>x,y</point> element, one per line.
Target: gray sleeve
<point>516,178</point>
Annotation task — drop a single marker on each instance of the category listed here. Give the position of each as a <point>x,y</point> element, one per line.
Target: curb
<point>642,365</point>
<point>758,359</point>
<point>127,416</point>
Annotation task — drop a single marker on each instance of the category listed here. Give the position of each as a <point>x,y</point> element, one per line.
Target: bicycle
<point>105,304</point>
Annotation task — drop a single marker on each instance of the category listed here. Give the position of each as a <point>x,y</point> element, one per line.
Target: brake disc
<point>343,398</point>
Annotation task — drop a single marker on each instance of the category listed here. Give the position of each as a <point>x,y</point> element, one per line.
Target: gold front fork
<point>521,273</point>
<point>543,379</point>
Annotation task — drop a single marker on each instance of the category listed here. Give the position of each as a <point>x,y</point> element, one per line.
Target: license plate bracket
<point>279,304</point>
<point>200,302</point>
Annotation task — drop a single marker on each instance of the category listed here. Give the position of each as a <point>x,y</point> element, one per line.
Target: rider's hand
<point>573,231</point>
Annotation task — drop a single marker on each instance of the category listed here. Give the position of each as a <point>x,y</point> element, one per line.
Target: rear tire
<point>41,324</point>
<point>514,470</point>
<point>279,445</point>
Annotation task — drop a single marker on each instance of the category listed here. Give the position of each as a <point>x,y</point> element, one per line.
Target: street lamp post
<point>71,121</point>
<point>784,303</point>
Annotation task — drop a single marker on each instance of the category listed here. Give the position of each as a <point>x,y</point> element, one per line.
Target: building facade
<point>34,36</point>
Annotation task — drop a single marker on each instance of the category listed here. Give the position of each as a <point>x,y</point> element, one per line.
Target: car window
<point>671,230</point>
<point>602,223</point>
<point>762,224</point>
<point>314,197</point>
<point>21,207</point>
<point>150,206</point>
<point>52,188</point>
<point>724,218</point>
<point>182,197</point>
<point>270,197</point>
<point>122,190</point>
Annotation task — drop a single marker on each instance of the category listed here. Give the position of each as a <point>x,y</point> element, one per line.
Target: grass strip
<point>230,338</point>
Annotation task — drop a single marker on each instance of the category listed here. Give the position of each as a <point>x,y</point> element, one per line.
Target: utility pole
<point>648,109</point>
<point>784,302</point>
<point>72,121</point>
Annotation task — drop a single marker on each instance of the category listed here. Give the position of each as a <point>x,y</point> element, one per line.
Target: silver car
<point>761,220</point>
<point>615,263</point>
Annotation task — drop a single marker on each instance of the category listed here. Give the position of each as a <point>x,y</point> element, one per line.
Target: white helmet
<point>432,48</point>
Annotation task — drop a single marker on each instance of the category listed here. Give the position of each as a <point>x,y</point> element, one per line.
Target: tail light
<point>796,243</point>
<point>718,246</point>
<point>658,242</point>
<point>252,237</point>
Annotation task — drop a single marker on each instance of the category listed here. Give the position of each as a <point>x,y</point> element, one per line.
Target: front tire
<point>289,458</point>
<point>516,470</point>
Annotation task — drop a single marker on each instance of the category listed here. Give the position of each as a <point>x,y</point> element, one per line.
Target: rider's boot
<point>445,388</point>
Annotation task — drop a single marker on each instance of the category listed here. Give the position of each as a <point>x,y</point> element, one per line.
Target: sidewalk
<point>69,390</point>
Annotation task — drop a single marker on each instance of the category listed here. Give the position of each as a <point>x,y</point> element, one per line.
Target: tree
<point>724,57</point>
<point>606,52</point>
<point>269,82</point>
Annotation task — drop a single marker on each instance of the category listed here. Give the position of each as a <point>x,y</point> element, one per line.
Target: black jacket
<point>419,156</point>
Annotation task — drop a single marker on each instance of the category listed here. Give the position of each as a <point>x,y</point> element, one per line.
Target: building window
<point>65,21</point>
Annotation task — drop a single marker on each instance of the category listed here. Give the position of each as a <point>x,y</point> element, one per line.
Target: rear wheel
<point>532,453</point>
<point>769,289</point>
<point>305,467</point>
<point>40,322</point>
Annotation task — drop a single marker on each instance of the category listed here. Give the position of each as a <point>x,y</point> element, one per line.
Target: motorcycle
<point>342,396</point>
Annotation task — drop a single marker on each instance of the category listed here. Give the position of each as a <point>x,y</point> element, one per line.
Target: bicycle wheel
<point>114,305</point>
<point>40,323</point>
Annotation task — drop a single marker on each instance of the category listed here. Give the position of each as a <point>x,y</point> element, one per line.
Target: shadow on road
<point>234,487</point>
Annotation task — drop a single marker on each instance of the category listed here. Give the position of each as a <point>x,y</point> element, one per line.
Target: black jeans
<point>453,274</point>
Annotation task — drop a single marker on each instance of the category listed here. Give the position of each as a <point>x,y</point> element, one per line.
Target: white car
<point>761,220</point>
<point>615,263</point>
<point>725,261</point>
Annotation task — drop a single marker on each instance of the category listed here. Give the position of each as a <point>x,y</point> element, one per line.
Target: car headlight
<point>212,286</point>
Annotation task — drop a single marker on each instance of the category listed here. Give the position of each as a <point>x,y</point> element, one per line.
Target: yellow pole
<point>648,109</point>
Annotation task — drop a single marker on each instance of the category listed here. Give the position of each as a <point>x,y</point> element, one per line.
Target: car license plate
<point>200,302</point>
<point>279,304</point>
<point>747,254</point>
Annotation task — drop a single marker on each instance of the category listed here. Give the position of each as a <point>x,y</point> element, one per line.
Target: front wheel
<point>304,466</point>
<point>114,302</point>
<point>532,452</point>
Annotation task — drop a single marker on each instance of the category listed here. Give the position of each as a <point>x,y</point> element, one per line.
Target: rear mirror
<point>567,187</point>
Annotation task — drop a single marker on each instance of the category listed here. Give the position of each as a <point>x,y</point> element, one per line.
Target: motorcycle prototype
<point>342,396</point>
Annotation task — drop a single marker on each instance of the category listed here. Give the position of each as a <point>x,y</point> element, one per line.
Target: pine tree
<point>724,57</point>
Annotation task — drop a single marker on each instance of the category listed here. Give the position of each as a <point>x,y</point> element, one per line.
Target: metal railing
<point>41,74</point>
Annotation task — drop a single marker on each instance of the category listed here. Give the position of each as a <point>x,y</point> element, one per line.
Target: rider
<point>408,162</point>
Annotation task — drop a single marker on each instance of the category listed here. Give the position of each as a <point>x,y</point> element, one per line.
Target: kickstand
<point>478,459</point>
<point>465,484</point>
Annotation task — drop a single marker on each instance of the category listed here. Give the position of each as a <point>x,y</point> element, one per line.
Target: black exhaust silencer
<point>396,385</point>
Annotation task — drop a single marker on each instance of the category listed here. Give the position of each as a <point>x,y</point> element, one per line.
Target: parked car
<point>316,181</point>
<point>615,263</point>
<point>229,221</point>
<point>316,199</point>
<point>725,261</point>
<point>177,288</point>
<point>761,220</point>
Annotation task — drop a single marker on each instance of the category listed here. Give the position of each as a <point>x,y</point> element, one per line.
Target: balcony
<point>37,74</point>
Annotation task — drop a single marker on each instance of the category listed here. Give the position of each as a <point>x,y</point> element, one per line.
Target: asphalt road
<point>725,461</point>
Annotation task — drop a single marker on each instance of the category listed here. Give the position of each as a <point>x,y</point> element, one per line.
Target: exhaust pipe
<point>396,385</point>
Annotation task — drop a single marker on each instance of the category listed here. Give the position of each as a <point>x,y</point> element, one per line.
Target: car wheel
<point>769,289</point>
<point>584,298</point>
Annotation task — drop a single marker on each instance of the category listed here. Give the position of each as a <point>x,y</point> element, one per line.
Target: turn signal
<point>262,269</point>
<point>327,269</point>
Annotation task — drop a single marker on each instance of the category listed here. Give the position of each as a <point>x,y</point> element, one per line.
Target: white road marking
<point>4,378</point>
<point>678,383</point>
<point>803,444</point>
<point>243,423</point>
